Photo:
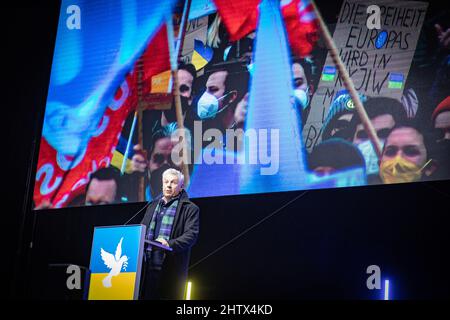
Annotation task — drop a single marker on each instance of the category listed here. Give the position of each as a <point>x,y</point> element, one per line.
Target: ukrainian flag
<point>202,55</point>
<point>111,277</point>
<point>396,81</point>
<point>329,72</point>
<point>119,153</point>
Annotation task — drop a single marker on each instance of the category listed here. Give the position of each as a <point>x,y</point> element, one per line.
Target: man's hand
<point>163,242</point>
<point>139,162</point>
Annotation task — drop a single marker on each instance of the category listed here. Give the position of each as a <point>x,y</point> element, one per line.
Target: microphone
<point>146,205</point>
<point>134,216</point>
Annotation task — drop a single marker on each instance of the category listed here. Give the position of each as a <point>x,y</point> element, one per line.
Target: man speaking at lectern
<point>173,220</point>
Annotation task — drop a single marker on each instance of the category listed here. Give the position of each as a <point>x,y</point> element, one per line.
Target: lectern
<point>116,262</point>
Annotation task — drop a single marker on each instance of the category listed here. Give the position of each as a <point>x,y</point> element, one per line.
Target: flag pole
<point>140,109</point>
<point>174,54</point>
<point>127,150</point>
<point>182,31</point>
<point>368,127</point>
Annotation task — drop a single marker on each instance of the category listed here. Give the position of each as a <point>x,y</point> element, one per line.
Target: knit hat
<point>443,106</point>
<point>341,105</point>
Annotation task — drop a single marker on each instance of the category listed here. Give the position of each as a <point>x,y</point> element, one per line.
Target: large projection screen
<point>242,97</point>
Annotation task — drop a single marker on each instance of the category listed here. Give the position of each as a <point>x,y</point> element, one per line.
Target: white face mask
<point>301,96</point>
<point>208,106</point>
<point>370,156</point>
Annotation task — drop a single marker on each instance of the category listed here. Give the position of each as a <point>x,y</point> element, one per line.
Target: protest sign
<point>377,59</point>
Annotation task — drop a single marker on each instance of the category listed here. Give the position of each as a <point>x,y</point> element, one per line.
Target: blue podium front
<point>116,262</point>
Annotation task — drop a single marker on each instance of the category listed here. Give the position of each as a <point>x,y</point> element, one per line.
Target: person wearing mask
<point>226,85</point>
<point>407,156</point>
<point>384,114</point>
<point>303,88</point>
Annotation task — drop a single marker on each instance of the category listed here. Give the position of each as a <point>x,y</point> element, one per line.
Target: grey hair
<point>176,173</point>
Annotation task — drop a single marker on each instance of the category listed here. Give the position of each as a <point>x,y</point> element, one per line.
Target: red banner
<point>59,178</point>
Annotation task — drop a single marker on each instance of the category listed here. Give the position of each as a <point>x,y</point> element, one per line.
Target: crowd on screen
<point>414,132</point>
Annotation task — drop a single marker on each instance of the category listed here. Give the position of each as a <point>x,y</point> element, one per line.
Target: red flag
<point>156,56</point>
<point>301,25</point>
<point>240,17</point>
<point>157,74</point>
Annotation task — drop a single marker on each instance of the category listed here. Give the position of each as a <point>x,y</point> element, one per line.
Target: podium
<point>116,262</point>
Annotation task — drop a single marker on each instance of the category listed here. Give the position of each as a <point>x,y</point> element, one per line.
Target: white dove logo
<point>115,263</point>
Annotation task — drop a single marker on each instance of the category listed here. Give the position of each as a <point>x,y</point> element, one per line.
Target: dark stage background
<point>316,247</point>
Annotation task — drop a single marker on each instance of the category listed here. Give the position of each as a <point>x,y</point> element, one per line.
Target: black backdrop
<point>317,246</point>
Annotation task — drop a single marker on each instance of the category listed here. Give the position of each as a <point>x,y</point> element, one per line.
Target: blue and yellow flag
<point>396,81</point>
<point>118,155</point>
<point>202,54</point>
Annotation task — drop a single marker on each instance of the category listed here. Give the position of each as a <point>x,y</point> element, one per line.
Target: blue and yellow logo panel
<point>116,258</point>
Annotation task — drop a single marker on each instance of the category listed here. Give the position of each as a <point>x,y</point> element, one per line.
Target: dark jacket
<point>184,235</point>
